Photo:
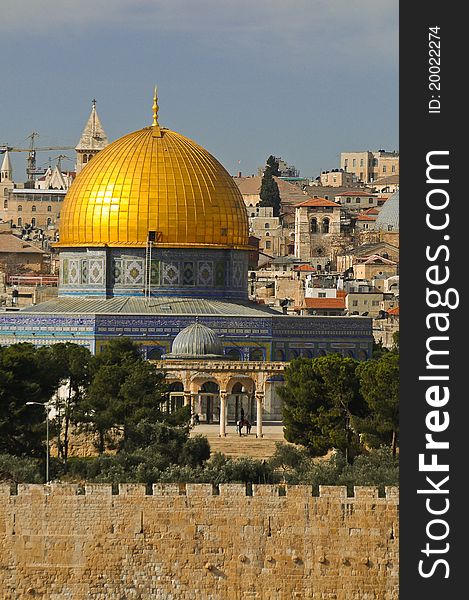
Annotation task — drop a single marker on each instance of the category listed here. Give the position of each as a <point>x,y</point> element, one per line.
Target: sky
<point>300,79</point>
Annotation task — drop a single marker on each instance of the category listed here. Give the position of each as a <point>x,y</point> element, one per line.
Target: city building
<point>368,166</point>
<point>338,178</point>
<point>356,200</point>
<point>154,238</point>
<point>317,224</point>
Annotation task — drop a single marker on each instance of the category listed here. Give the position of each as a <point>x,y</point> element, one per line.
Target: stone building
<point>17,254</point>
<point>268,229</point>
<point>370,165</point>
<point>352,256</point>
<point>357,200</point>
<point>338,178</point>
<point>317,225</point>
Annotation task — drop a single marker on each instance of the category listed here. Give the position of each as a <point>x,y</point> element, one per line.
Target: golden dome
<point>154,180</point>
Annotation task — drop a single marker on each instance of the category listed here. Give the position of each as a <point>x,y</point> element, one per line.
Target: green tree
<point>124,390</point>
<point>73,364</point>
<point>27,374</point>
<point>379,385</point>
<point>269,194</point>
<point>320,398</point>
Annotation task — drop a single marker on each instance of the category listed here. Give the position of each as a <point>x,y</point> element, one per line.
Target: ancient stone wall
<point>191,541</point>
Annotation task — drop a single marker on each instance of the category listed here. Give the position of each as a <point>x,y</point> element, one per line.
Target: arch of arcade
<point>221,390</point>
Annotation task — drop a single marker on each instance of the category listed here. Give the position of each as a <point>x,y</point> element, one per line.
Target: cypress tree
<point>270,195</point>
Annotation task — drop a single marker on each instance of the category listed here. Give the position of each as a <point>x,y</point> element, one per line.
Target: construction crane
<point>31,170</point>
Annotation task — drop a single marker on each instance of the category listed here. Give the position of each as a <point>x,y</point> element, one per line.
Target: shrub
<point>14,469</point>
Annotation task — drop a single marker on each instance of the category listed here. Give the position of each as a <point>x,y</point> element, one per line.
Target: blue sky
<point>301,79</point>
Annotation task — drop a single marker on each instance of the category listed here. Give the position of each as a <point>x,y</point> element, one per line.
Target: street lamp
<point>46,407</point>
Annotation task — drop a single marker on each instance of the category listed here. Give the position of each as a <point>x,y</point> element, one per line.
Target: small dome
<point>388,218</point>
<point>196,341</point>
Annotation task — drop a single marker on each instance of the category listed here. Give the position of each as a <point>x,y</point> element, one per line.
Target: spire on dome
<point>6,171</point>
<point>155,107</point>
<point>93,136</point>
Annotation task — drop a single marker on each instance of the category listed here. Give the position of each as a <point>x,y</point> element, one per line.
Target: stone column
<point>222,414</point>
<point>259,400</point>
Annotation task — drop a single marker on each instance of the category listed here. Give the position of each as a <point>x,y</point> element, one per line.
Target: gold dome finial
<point>155,108</point>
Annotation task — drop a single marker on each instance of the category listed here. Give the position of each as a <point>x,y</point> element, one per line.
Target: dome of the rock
<point>153,214</point>
<point>156,180</point>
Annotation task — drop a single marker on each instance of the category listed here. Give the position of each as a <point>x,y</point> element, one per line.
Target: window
<point>321,294</point>
<point>393,169</point>
<point>268,244</point>
<point>357,200</point>
<point>365,225</point>
<point>33,208</point>
<point>375,303</point>
<point>348,200</point>
<point>49,222</point>
<point>20,221</point>
<point>354,163</point>
<point>346,162</point>
<point>361,175</point>
<point>5,204</point>
<point>267,226</point>
<point>354,302</point>
<point>325,226</point>
<point>49,208</point>
<point>314,226</point>
<point>20,208</point>
<point>361,162</point>
<point>370,200</point>
<point>33,222</point>
<point>384,168</point>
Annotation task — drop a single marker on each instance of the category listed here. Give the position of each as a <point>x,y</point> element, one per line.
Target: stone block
<point>132,489</point>
<point>98,489</point>
<point>361,492</point>
<point>232,489</point>
<point>299,491</point>
<point>167,489</point>
<point>332,491</point>
<point>199,489</point>
<point>264,490</point>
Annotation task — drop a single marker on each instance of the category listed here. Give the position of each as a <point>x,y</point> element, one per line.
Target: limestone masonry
<point>191,541</point>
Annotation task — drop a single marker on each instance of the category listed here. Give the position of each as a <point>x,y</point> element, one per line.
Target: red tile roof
<point>304,268</point>
<point>394,311</point>
<point>324,303</point>
<point>318,202</point>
